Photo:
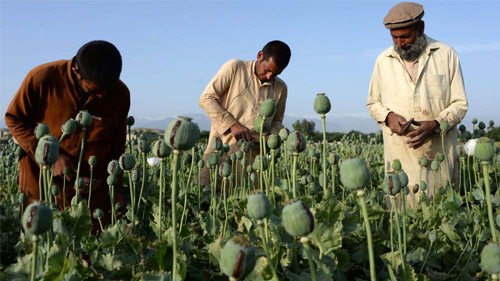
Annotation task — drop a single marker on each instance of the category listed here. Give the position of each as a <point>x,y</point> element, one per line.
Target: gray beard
<point>413,51</point>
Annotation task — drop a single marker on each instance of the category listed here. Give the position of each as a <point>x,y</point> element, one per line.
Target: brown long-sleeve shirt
<point>49,94</point>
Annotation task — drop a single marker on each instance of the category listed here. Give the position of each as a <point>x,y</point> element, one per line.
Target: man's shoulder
<point>237,63</point>
<point>279,82</point>
<point>49,70</point>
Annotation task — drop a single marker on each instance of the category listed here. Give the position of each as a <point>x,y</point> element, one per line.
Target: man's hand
<point>418,137</point>
<point>62,163</point>
<point>241,132</point>
<point>398,123</point>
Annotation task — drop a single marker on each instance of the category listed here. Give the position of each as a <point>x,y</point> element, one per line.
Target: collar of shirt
<point>76,87</point>
<point>267,83</point>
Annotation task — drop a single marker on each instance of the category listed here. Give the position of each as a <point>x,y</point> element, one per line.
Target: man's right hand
<point>397,123</point>
<point>62,163</point>
<point>240,132</point>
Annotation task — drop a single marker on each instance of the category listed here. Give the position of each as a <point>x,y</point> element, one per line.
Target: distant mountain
<point>334,122</point>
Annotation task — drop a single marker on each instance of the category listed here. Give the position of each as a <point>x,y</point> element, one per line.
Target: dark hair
<point>99,62</point>
<point>279,51</point>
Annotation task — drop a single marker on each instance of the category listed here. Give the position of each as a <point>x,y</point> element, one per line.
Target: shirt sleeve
<point>210,99</point>
<point>19,116</point>
<point>280,111</point>
<point>374,104</point>
<point>458,105</point>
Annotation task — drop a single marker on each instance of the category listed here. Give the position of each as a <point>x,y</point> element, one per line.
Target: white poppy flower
<point>154,161</point>
<point>470,146</point>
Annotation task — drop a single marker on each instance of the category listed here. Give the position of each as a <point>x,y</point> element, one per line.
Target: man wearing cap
<point>417,84</point>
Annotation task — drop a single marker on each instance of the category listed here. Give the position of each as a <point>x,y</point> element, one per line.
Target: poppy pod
<point>490,258</point>
<point>403,178</point>
<point>484,150</point>
<point>84,119</point>
<point>354,173</point>
<point>444,126</point>
<point>391,184</point>
<point>440,157</point>
<point>258,206</point>
<point>114,168</point>
<point>260,127</point>
<point>144,146</point>
<point>256,163</point>
<point>423,161</point>
<point>127,162</point>
<point>98,213</point>
<point>23,198</point>
<point>423,185</point>
<point>37,218</point>
<point>217,144</point>
<point>268,108</point>
<point>41,129</point>
<point>92,161</point>
<point>135,174</point>
<point>435,165</point>
<point>201,163</point>
<point>182,134</point>
<point>130,121</point>
<point>333,159</point>
<point>69,127</point>
<point>111,180</point>
<point>298,219</point>
<point>295,142</point>
<point>237,258</point>
<point>322,104</point>
<point>161,149</point>
<point>213,159</point>
<point>283,133</point>
<point>396,165</point>
<point>273,141</point>
<point>47,150</point>
<point>225,170</point>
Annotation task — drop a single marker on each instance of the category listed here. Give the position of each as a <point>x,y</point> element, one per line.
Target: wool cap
<point>403,15</point>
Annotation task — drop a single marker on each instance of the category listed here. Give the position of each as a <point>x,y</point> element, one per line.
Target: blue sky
<point>171,49</point>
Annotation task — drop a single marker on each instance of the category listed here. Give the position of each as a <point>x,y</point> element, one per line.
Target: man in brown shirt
<point>54,92</point>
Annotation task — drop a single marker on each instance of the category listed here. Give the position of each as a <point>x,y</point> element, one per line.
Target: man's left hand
<point>418,137</point>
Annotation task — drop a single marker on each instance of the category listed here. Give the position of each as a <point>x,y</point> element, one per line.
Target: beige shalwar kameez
<point>438,93</point>
<point>234,95</point>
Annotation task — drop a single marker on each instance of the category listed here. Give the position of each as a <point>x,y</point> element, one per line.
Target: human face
<point>86,86</point>
<point>409,42</point>
<point>266,70</point>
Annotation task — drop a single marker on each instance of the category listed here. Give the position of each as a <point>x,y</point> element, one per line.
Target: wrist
<point>438,127</point>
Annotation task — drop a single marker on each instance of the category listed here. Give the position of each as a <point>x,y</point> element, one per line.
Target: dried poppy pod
<point>258,206</point>
<point>92,161</point>
<point>127,162</point>
<point>268,108</point>
<point>484,150</point>
<point>237,258</point>
<point>182,134</point>
<point>69,127</point>
<point>354,173</point>
<point>322,104</point>
<point>114,168</point>
<point>391,184</point>
<point>273,141</point>
<point>295,142</point>
<point>47,150</point>
<point>297,219</point>
<point>490,258</point>
<point>256,163</point>
<point>259,126</point>
<point>161,149</point>
<point>37,218</point>
<point>84,119</point>
<point>217,144</point>
<point>41,129</point>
